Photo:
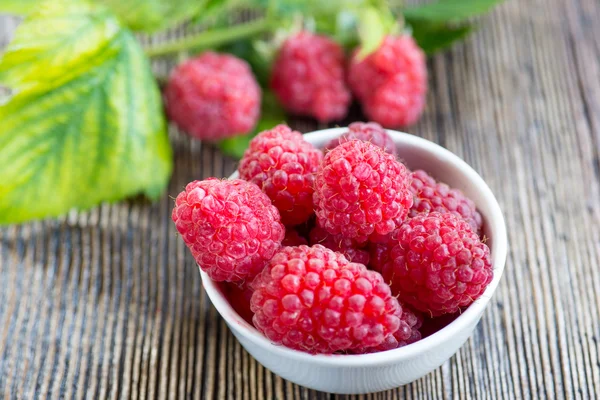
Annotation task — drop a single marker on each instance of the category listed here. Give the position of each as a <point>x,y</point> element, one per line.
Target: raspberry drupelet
<point>360,190</point>
<point>230,226</point>
<point>213,96</point>
<point>407,333</point>
<point>430,195</point>
<point>348,247</point>
<point>438,264</point>
<point>308,77</point>
<point>313,299</point>
<point>391,83</point>
<point>283,165</point>
<point>367,132</point>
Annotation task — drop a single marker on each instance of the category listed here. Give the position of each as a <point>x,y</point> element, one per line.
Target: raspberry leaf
<point>153,15</point>
<point>371,31</point>
<point>19,7</point>
<point>84,123</point>
<point>449,10</point>
<point>432,37</point>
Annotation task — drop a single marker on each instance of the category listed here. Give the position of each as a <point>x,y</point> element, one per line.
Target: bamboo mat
<point>108,304</point>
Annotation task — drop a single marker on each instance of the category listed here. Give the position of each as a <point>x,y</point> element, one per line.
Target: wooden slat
<point>109,303</point>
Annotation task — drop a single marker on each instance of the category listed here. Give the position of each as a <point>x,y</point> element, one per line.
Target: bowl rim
<point>472,313</point>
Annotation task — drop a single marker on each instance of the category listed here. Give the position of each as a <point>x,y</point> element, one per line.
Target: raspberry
<point>313,299</point>
<point>239,296</point>
<point>361,190</point>
<point>391,83</point>
<point>368,132</point>
<point>407,333</point>
<point>308,77</point>
<point>379,252</point>
<point>348,247</point>
<point>231,227</point>
<point>293,238</point>
<point>213,96</point>
<point>438,264</point>
<point>430,195</point>
<point>283,164</point>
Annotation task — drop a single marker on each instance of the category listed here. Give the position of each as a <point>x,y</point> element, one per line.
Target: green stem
<point>211,38</point>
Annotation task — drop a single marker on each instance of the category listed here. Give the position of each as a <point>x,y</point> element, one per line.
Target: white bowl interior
<point>417,153</point>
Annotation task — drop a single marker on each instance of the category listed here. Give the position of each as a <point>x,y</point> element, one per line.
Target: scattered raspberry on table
<point>368,132</point>
<point>360,190</point>
<point>230,226</point>
<point>308,77</point>
<point>313,299</point>
<point>283,165</point>
<point>391,83</point>
<point>437,264</point>
<point>213,96</point>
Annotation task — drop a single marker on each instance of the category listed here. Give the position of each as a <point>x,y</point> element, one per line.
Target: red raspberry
<point>239,295</point>
<point>293,238</point>
<point>430,195</point>
<point>361,190</point>
<point>367,132</point>
<point>391,83</point>
<point>308,77</point>
<point>438,264</point>
<point>231,227</point>
<point>410,323</point>
<point>313,299</point>
<point>348,247</point>
<point>213,96</point>
<point>283,164</point>
<point>379,251</point>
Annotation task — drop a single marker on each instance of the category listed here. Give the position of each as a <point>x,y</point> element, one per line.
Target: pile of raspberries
<point>341,250</point>
<point>214,96</point>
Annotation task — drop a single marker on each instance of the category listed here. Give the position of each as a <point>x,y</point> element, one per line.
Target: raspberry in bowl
<point>375,370</point>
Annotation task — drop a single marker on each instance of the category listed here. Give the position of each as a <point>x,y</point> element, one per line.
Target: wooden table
<point>109,304</point>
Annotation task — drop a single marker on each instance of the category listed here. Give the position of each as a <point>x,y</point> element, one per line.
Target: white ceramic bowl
<point>354,374</point>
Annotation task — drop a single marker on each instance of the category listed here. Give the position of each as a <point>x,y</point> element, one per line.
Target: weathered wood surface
<point>109,304</point>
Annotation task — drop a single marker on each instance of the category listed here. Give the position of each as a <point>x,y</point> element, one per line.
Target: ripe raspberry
<point>293,238</point>
<point>367,132</point>
<point>308,77</point>
<point>313,299</point>
<point>430,195</point>
<point>438,264</point>
<point>410,323</point>
<point>239,295</point>
<point>213,96</point>
<point>231,227</point>
<point>361,190</point>
<point>391,83</point>
<point>379,251</point>
<point>348,247</point>
<point>283,164</point>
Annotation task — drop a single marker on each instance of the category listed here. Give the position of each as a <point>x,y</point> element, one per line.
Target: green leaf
<point>85,123</point>
<point>309,7</point>
<point>18,7</point>
<point>153,15</point>
<point>271,114</point>
<point>449,10</point>
<point>371,31</point>
<point>432,37</point>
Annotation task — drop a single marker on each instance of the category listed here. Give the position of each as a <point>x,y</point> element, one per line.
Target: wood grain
<point>109,304</point>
